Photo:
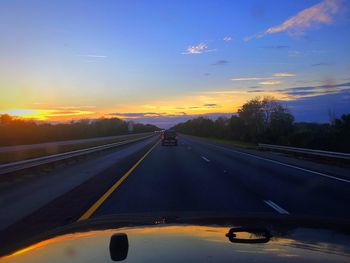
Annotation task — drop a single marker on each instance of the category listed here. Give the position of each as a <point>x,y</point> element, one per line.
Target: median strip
<point>100,201</point>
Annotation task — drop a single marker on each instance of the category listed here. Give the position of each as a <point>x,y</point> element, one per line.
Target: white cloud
<point>249,79</point>
<point>319,14</point>
<point>284,74</point>
<point>268,79</point>
<point>227,38</point>
<point>92,56</point>
<point>198,49</point>
<point>269,82</point>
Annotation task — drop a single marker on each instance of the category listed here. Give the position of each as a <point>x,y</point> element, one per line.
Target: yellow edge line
<point>99,202</point>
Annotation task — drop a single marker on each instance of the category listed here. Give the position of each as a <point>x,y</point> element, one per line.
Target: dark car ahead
<point>169,138</point>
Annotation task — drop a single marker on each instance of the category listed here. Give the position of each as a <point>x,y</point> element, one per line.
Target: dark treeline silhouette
<point>15,131</point>
<point>265,120</point>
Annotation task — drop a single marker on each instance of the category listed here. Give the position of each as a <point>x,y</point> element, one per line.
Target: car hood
<point>190,240</point>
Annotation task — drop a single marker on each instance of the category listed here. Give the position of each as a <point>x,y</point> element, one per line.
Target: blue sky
<point>167,61</point>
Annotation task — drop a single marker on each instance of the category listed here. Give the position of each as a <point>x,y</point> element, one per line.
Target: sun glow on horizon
<point>43,115</point>
<point>201,103</point>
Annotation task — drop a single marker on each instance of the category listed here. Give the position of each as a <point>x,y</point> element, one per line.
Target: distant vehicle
<point>169,138</point>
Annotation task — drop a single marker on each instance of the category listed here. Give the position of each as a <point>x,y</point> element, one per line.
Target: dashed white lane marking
<point>276,207</point>
<point>205,159</point>
<point>280,163</point>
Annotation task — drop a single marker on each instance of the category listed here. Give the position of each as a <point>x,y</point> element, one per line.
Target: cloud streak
<point>132,115</point>
<point>138,114</point>
<point>312,90</point>
<point>296,93</point>
<point>314,16</point>
<point>256,91</point>
<point>250,79</point>
<point>284,74</point>
<point>268,79</point>
<point>211,105</point>
<point>220,62</point>
<point>198,49</point>
<point>92,56</point>
<point>269,82</point>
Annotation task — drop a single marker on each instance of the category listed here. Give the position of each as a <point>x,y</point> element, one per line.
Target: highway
<point>195,177</point>
<point>204,177</point>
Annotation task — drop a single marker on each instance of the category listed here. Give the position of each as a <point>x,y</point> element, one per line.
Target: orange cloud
<point>284,74</point>
<point>269,82</point>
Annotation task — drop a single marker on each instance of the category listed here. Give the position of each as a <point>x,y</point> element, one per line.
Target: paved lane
<point>20,198</point>
<point>191,179</point>
<point>174,179</point>
<point>197,176</point>
<point>300,192</point>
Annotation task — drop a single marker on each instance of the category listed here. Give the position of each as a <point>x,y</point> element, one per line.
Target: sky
<point>163,62</point>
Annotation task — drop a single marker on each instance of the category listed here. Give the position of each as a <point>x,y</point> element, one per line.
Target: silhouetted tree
<point>236,128</point>
<point>266,120</point>
<point>252,116</point>
<point>15,131</point>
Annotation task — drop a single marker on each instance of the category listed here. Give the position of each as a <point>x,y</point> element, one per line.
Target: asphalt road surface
<point>204,177</point>
<point>195,178</point>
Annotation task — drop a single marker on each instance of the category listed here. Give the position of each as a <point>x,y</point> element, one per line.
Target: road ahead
<point>195,178</point>
<point>204,177</point>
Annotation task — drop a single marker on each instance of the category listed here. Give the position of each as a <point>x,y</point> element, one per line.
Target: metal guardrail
<point>44,145</point>
<point>337,155</point>
<point>21,165</point>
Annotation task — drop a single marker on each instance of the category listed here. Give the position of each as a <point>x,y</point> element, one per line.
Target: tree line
<point>265,120</point>
<point>15,131</point>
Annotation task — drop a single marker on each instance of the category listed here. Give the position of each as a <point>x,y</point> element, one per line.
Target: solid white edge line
<point>205,159</point>
<point>284,164</point>
<point>276,207</point>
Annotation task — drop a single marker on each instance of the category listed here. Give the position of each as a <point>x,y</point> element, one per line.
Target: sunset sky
<point>166,61</point>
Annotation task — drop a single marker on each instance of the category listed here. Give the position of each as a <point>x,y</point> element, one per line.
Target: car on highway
<point>205,238</point>
<point>169,137</point>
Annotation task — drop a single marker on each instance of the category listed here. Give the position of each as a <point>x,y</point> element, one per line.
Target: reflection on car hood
<point>181,242</point>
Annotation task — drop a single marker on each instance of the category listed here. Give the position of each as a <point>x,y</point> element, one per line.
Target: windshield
<point>172,108</point>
